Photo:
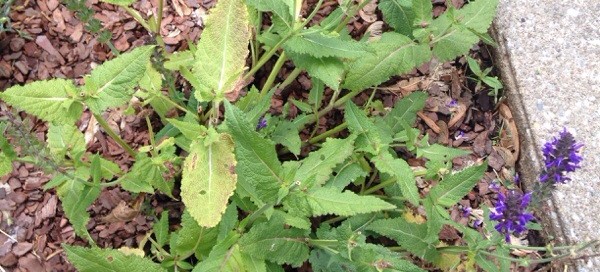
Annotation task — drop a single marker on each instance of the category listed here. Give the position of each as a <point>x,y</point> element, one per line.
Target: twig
<point>9,237</point>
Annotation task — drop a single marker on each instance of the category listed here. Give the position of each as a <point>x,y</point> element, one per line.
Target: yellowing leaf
<point>97,259</point>
<point>209,179</point>
<point>119,2</point>
<point>223,48</point>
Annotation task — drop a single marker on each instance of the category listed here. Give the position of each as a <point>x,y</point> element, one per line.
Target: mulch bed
<point>59,46</point>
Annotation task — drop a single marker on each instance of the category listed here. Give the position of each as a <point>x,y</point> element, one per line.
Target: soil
<point>55,44</point>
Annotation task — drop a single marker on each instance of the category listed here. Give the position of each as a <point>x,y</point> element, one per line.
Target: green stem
<point>138,17</point>
<point>273,75</point>
<point>536,261</point>
<point>351,15</point>
<point>290,78</point>
<point>179,107</point>
<point>114,136</point>
<point>328,133</point>
<point>389,182</point>
<point>250,219</point>
<point>159,16</point>
<point>151,134</point>
<point>327,243</point>
<point>265,57</point>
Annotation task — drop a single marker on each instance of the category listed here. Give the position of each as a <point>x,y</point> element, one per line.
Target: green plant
<point>483,77</point>
<point>246,210</point>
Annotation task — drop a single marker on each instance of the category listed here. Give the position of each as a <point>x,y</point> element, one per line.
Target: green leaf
<point>76,198</point>
<point>435,220</point>
<point>405,110</point>
<point>346,174</point>
<point>438,152</point>
<point>323,201</point>
<point>321,45</point>
<point>161,229</point>
<point>145,174</point>
<point>455,186</point>
<point>192,238</point>
<point>191,130</point>
<point>395,54</point>
<point>119,2</point>
<point>451,40</point>
<point>231,260</point>
<point>228,221</point>
<point>97,259</point>
<point>399,15</point>
<point>180,59</point>
<point>410,236</point>
<point>319,164</point>
<point>66,139</point>
<point>111,84</point>
<point>151,82</point>
<point>423,12</point>
<point>5,164</point>
<point>399,169</point>
<point>323,261</point>
<point>271,241</point>
<point>286,133</point>
<point>51,100</point>
<point>315,96</point>
<point>374,258</point>
<point>330,70</point>
<point>254,104</point>
<point>258,166</point>
<point>221,55</point>
<point>367,138</point>
<point>208,179</point>
<point>478,15</point>
<point>280,8</point>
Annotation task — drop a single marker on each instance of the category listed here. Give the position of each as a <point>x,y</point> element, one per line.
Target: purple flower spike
<point>561,156</point>
<point>262,123</point>
<point>466,211</point>
<point>511,213</point>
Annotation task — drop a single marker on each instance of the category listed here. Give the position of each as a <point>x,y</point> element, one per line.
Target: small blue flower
<point>459,135</point>
<point>511,213</point>
<point>477,223</point>
<point>561,156</point>
<point>453,103</point>
<point>465,211</point>
<point>262,123</point>
<point>494,186</point>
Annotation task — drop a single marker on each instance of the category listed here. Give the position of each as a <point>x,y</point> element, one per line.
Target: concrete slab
<point>550,61</point>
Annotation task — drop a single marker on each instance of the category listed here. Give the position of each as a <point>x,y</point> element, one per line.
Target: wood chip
<point>45,44</point>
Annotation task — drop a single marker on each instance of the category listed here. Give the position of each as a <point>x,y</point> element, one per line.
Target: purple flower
<point>262,123</point>
<point>453,103</point>
<point>517,179</point>
<point>494,186</point>
<point>511,213</point>
<point>465,211</point>
<point>477,223</point>
<point>459,135</point>
<point>561,156</point>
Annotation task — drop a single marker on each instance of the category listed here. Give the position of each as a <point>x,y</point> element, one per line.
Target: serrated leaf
<point>405,110</point>
<point>321,45</point>
<point>399,15</point>
<point>322,261</point>
<point>435,220</point>
<point>438,152</point>
<point>455,186</point>
<point>410,236</point>
<point>372,258</point>
<point>367,135</point>
<point>161,229</point>
<point>399,169</point>
<point>258,166</point>
<point>221,55</point>
<point>5,164</point>
<point>97,259</point>
<point>458,41</point>
<point>395,54</point>
<point>255,105</point>
<point>111,84</point>
<point>180,59</point>
<point>323,201</point>
<point>478,15</point>
<point>192,238</point>
<point>286,133</point>
<point>51,100</point>
<point>280,8</point>
<point>144,175</point>
<point>347,174</point>
<point>151,82</point>
<point>65,139</point>
<point>76,198</point>
<point>228,221</point>
<point>315,96</point>
<point>191,130</point>
<point>319,164</point>
<point>208,179</point>
<point>119,2</point>
<point>271,241</point>
<point>330,70</point>
<point>423,12</point>
<point>232,260</point>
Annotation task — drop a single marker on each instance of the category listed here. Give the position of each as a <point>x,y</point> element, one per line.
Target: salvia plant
<point>349,205</point>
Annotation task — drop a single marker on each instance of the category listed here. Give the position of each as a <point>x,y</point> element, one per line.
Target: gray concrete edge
<point>530,160</point>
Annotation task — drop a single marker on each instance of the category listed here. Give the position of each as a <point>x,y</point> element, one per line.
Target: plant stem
<point>273,75</point>
<point>290,78</point>
<point>351,15</point>
<point>179,107</point>
<point>114,136</point>
<point>138,17</point>
<point>250,219</point>
<point>536,261</point>
<point>389,182</point>
<point>328,133</point>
